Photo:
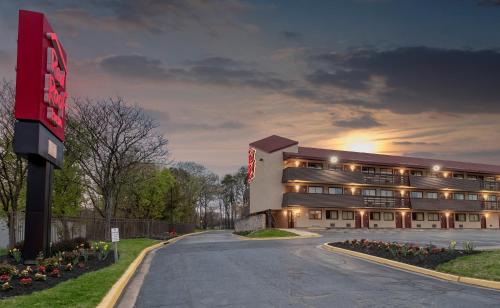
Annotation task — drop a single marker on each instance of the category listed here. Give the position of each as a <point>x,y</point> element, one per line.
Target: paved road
<point>217,269</point>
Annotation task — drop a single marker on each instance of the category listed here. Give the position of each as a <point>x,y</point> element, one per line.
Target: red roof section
<point>390,160</point>
<point>273,143</point>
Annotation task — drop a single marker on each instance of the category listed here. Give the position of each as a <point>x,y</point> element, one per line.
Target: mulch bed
<point>93,264</point>
<point>430,261</point>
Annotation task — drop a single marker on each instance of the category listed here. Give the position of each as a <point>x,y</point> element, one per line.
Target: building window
<point>417,216</point>
<point>472,177</point>
<point>370,170</point>
<point>369,192</point>
<point>491,198</point>
<point>458,175</point>
<point>375,215</point>
<point>386,193</point>
<point>472,197</point>
<point>416,194</point>
<point>432,195</point>
<point>335,190</point>
<point>347,215</point>
<point>388,216</point>
<point>416,173</point>
<point>473,217</point>
<point>315,165</point>
<point>315,189</point>
<point>315,214</point>
<point>458,196</point>
<point>460,217</point>
<point>433,216</point>
<point>385,171</point>
<point>331,214</point>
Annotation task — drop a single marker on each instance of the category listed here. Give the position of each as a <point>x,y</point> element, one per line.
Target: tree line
<point>116,165</point>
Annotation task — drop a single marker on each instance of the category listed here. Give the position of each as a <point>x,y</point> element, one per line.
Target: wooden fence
<point>95,228</point>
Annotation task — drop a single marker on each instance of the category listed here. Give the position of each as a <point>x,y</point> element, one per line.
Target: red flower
<point>4,278</point>
<point>26,281</point>
<point>41,269</point>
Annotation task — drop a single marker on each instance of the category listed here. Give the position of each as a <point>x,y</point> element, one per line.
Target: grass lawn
<point>270,233</point>
<point>485,265</point>
<point>87,290</point>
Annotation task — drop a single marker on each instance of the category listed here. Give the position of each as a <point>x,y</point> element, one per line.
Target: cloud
<point>414,79</point>
<point>209,71</point>
<point>149,15</point>
<point>363,120</point>
<point>290,35</point>
<point>414,143</point>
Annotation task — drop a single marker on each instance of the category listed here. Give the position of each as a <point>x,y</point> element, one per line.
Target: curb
<point>415,269</point>
<point>111,298</point>
<point>276,238</point>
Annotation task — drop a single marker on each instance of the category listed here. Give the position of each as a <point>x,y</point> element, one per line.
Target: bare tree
<point>12,167</point>
<point>113,137</point>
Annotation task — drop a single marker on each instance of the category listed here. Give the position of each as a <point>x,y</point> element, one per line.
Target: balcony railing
<point>386,202</point>
<point>348,177</point>
<point>385,179</point>
<point>342,201</point>
<point>490,205</point>
<point>488,185</point>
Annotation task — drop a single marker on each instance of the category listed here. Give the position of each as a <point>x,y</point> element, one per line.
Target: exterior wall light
<point>297,188</point>
<point>447,214</point>
<point>445,174</point>
<point>334,159</point>
<point>353,190</point>
<point>485,196</point>
<point>353,167</point>
<point>446,194</point>
<point>436,168</point>
<point>362,212</point>
<point>487,215</point>
<point>297,163</point>
<point>402,192</point>
<point>402,171</point>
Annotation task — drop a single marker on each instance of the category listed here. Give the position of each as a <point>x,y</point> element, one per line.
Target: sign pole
<point>116,252</point>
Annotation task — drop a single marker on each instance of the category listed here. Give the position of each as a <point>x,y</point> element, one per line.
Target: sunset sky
<point>418,78</point>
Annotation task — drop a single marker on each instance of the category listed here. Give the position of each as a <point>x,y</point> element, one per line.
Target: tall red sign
<point>41,74</point>
<point>251,164</point>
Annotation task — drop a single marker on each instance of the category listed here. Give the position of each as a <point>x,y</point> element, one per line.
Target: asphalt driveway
<point>217,269</point>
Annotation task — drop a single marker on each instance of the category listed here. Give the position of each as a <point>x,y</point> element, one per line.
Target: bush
<point>69,245</point>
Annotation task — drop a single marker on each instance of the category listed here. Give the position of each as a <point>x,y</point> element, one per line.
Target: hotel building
<point>309,187</point>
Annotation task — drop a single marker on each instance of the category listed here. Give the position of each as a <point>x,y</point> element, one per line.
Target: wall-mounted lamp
<point>446,194</point>
<point>445,174</point>
<point>353,190</point>
<point>487,215</point>
<point>402,171</point>
<point>353,167</point>
<point>297,163</point>
<point>485,196</point>
<point>297,188</point>
<point>447,214</point>
<point>362,212</point>
<point>334,159</point>
<point>436,168</point>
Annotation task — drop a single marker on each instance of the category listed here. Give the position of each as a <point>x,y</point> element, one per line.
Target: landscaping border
<point>298,236</point>
<point>415,269</point>
<point>113,295</point>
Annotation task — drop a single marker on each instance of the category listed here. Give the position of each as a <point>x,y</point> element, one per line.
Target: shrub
<point>6,286</point>
<point>4,278</point>
<point>101,249</point>
<point>55,273</point>
<point>6,269</point>
<point>26,281</point>
<point>70,245</point>
<point>40,277</point>
<point>15,254</point>
<point>468,246</point>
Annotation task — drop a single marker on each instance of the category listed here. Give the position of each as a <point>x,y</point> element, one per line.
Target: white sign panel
<point>115,235</point>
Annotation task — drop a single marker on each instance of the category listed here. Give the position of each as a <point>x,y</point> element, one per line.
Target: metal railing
<point>489,185</point>
<point>386,202</point>
<point>490,205</point>
<point>385,179</point>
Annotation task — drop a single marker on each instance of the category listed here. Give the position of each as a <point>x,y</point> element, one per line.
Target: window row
<point>460,217</point>
<point>330,214</point>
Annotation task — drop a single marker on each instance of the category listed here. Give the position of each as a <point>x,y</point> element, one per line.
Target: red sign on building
<point>251,164</point>
<point>41,74</point>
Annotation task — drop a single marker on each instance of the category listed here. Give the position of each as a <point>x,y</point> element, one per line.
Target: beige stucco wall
<point>266,189</point>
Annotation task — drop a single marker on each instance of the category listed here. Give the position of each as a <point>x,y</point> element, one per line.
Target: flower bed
<point>428,256</point>
<point>18,279</point>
